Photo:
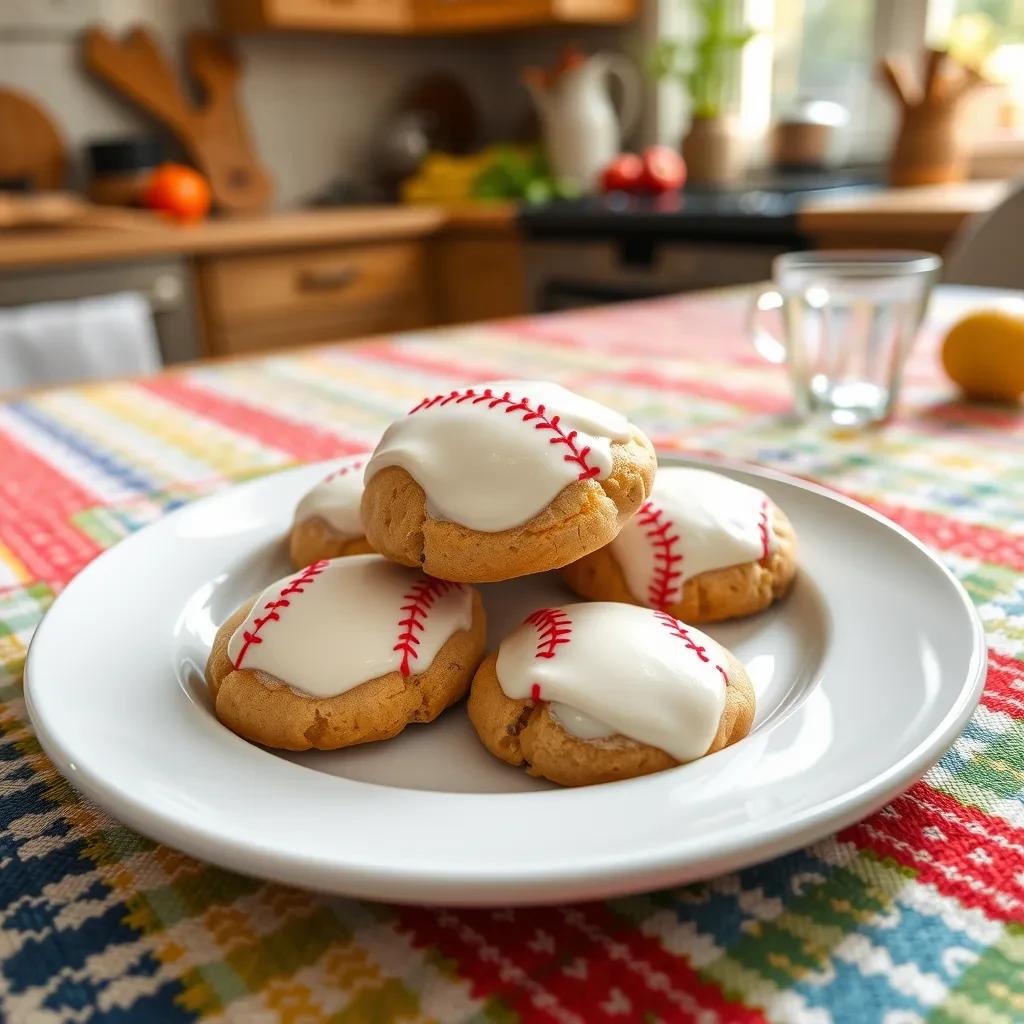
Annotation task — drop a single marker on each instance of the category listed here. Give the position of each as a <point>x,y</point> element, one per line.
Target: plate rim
<point>543,884</point>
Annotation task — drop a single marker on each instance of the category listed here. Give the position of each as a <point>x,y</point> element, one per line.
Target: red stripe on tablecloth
<point>675,327</point>
<point>37,503</point>
<point>976,858</point>
<point>984,543</point>
<point>452,371</point>
<point>1007,420</point>
<point>582,961</point>
<point>1004,687</point>
<point>302,440</point>
<point>756,401</point>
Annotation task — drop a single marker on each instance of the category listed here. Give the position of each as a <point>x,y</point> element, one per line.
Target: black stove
<point>763,207</point>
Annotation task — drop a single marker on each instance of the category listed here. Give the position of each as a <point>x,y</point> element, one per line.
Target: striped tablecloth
<point>915,914</point>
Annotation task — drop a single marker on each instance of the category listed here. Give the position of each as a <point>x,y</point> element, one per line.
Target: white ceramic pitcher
<point>582,131</point>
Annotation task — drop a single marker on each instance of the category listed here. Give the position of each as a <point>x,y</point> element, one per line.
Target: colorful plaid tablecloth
<point>916,914</point>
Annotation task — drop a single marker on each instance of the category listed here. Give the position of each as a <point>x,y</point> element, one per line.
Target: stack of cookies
<point>382,626</point>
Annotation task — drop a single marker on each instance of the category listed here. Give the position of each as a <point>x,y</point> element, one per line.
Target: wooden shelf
<point>417,17</point>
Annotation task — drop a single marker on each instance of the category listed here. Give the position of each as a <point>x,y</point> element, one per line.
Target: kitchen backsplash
<point>313,101</point>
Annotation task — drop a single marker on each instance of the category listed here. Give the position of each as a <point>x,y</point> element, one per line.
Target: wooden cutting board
<point>65,210</point>
<point>30,145</point>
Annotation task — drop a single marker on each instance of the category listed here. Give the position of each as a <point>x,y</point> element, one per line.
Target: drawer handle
<point>327,279</point>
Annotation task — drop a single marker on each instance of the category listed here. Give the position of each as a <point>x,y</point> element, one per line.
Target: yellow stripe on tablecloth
<point>114,436</point>
<point>12,654</point>
<point>212,448</point>
<point>12,570</point>
<point>315,390</point>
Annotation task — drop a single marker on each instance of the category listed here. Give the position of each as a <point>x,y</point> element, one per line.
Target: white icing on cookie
<point>336,498</point>
<point>695,521</point>
<point>610,668</point>
<point>580,725</point>
<point>338,623</point>
<point>491,456</point>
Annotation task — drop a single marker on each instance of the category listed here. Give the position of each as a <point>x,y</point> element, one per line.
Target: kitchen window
<point>825,50</point>
<point>989,33</point>
<point>829,50</point>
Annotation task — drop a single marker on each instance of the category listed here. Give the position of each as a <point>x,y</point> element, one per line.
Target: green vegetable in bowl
<point>520,173</point>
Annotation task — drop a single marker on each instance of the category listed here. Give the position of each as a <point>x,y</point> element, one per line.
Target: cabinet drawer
<point>311,295</point>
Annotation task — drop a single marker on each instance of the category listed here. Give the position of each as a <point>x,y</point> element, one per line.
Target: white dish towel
<point>88,339</point>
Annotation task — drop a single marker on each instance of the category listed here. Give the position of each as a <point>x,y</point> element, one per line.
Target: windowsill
<point>1001,157</point>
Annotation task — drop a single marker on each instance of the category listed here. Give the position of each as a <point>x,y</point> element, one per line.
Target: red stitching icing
<point>675,627</point>
<point>578,455</point>
<point>762,525</point>
<point>343,470</point>
<point>666,558</point>
<point>417,602</point>
<point>554,628</point>
<point>252,637</point>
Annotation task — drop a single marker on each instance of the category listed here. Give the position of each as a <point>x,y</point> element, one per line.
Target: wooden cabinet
<point>285,279</point>
<point>478,275</point>
<point>412,17</point>
<point>300,297</point>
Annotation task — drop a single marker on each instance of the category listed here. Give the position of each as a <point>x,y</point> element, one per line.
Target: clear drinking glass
<point>849,320</point>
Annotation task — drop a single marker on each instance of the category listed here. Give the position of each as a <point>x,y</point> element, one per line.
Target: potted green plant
<point>706,67</point>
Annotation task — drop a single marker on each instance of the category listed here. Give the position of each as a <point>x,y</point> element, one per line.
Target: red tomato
<point>179,191</point>
<point>663,170</point>
<point>623,173</point>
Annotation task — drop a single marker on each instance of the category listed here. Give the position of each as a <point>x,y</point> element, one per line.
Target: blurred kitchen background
<point>199,178</point>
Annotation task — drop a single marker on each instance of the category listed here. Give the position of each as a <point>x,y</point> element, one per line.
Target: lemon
<point>984,354</point>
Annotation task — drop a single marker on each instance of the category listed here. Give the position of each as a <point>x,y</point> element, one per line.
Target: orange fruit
<point>984,354</point>
<point>179,191</point>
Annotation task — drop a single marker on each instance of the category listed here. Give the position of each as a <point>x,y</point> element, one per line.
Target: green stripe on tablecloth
<point>992,990</point>
<point>800,940</point>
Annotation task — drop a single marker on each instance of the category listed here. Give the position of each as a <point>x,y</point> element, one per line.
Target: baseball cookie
<point>703,548</point>
<point>498,480</point>
<point>346,651</point>
<point>597,692</point>
<point>327,523</point>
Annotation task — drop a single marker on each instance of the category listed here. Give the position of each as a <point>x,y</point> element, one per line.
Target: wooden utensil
<point>30,145</point>
<point>929,149</point>
<point>214,133</point>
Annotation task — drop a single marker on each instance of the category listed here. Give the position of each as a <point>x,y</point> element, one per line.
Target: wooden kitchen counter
<point>265,282</point>
<point>908,218</point>
<point>34,247</point>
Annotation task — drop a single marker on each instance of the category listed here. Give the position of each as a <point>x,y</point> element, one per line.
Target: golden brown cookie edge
<point>712,596</point>
<point>525,733</point>
<point>265,710</point>
<point>313,539</point>
<point>584,516</point>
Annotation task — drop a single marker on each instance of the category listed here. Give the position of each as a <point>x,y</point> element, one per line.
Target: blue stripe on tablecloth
<point>158,1008</point>
<point>103,460</point>
<point>75,994</point>
<point>722,915</point>
<point>38,960</point>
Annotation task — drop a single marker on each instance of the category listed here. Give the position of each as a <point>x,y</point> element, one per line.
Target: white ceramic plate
<point>864,675</point>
